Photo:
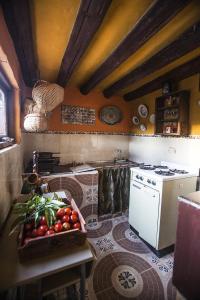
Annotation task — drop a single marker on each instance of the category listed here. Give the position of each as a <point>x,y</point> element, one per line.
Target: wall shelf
<point>172,114</point>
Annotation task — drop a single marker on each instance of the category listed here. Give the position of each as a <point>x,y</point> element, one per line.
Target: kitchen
<point>115,110</point>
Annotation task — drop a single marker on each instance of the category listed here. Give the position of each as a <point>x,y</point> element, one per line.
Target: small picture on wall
<point>77,115</point>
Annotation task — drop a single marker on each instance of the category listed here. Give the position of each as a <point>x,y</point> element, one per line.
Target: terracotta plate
<point>110,115</point>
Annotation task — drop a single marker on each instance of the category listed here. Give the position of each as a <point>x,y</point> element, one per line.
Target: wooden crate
<point>45,245</point>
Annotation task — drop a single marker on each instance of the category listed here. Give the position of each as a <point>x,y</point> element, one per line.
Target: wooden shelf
<point>59,280</point>
<point>167,107</point>
<point>180,103</point>
<point>169,121</point>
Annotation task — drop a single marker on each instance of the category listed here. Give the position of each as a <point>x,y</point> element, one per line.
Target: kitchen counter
<point>113,164</point>
<point>192,197</point>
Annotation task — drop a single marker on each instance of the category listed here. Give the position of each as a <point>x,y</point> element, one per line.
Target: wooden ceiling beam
<point>187,42</point>
<point>179,73</point>
<point>18,19</point>
<point>158,15</point>
<point>89,19</point>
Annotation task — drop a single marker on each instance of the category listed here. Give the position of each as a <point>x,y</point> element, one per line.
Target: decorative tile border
<point>166,136</point>
<point>79,132</point>
<point>113,133</point>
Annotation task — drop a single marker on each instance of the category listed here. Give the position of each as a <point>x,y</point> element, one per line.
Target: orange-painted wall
<point>93,100</point>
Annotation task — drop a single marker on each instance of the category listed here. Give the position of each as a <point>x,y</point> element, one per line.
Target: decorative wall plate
<point>110,115</point>
<point>152,119</point>
<point>143,127</point>
<point>135,120</point>
<point>143,111</point>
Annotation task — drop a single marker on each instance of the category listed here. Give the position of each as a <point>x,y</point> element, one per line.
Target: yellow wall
<point>192,84</point>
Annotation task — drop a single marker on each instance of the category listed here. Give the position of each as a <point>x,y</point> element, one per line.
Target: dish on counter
<point>143,127</point>
<point>143,111</point>
<point>110,115</point>
<point>135,120</point>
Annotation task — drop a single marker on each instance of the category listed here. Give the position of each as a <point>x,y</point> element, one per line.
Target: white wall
<point>76,147</point>
<point>10,178</point>
<point>154,149</point>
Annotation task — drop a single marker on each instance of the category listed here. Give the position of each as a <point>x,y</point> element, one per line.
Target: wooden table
<point>62,262</point>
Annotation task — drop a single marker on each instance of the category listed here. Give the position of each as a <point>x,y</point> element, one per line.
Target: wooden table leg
<point>82,282</point>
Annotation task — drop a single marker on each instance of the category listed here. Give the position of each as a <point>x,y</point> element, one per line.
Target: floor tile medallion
<point>122,275</point>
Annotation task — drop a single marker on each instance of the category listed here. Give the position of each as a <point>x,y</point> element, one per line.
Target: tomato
<point>58,221</point>
<point>28,226</point>
<point>34,233</point>
<point>66,226</point>
<point>65,218</point>
<point>77,225</point>
<point>74,212</point>
<point>68,211</point>
<point>58,227</point>
<point>73,218</point>
<point>60,212</point>
<point>49,232</point>
<point>41,231</point>
<point>44,227</point>
<point>51,227</point>
<point>43,221</point>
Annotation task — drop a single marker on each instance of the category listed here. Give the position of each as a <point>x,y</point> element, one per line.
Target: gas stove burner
<point>178,171</point>
<point>147,167</point>
<point>164,173</point>
<point>161,167</point>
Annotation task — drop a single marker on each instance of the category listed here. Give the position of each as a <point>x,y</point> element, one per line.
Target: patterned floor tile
<point>125,267</point>
<point>122,275</point>
<point>127,239</point>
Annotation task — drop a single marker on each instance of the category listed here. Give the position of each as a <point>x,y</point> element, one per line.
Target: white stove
<point>154,192</point>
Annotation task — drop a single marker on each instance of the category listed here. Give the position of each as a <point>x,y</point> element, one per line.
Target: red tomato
<point>65,218</point>
<point>66,226</point>
<point>51,227</point>
<point>28,226</point>
<point>43,221</point>
<point>58,227</point>
<point>41,231</point>
<point>74,212</point>
<point>68,211</point>
<point>44,227</point>
<point>77,225</point>
<point>49,232</point>
<point>73,218</point>
<point>58,222</point>
<point>60,212</point>
<point>34,233</point>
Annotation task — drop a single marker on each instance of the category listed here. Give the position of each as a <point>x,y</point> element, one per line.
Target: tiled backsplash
<point>76,147</point>
<point>153,149</point>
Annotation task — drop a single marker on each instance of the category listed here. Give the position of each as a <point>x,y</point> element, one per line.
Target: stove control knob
<point>141,178</point>
<point>148,181</point>
<point>137,176</point>
<point>153,182</point>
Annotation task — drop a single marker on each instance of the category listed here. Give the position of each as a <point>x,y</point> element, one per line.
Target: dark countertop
<point>112,164</point>
<point>61,169</point>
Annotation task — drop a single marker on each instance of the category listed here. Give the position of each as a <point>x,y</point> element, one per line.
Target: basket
<point>35,122</point>
<point>45,245</point>
<point>47,95</point>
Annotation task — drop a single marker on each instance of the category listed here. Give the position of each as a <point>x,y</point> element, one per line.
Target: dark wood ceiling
<point>120,47</point>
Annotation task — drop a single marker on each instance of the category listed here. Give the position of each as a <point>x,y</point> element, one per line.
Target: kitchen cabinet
<point>172,114</point>
<point>186,272</point>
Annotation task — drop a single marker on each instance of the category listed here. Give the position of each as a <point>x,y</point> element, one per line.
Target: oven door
<point>144,211</point>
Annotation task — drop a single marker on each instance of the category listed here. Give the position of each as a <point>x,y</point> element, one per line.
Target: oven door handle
<point>139,188</point>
